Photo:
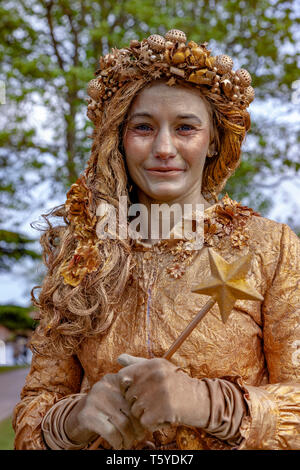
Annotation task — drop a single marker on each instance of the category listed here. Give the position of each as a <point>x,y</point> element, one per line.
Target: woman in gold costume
<point>169,121</point>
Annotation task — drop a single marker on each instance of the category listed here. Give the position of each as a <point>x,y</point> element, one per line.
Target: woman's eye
<point>186,125</point>
<point>140,126</point>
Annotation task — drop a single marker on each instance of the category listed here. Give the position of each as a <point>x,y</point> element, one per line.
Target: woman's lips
<point>165,171</point>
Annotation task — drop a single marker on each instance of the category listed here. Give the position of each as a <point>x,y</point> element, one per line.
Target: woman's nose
<point>164,146</point>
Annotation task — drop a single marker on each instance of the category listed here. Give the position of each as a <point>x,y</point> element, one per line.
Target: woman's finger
<point>138,409</point>
<point>125,383</point>
<point>124,425</point>
<point>139,431</point>
<point>102,425</point>
<point>128,360</point>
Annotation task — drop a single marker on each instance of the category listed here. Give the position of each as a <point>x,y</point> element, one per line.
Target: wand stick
<point>204,310</point>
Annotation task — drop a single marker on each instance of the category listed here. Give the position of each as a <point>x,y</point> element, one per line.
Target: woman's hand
<point>105,412</point>
<point>159,392</point>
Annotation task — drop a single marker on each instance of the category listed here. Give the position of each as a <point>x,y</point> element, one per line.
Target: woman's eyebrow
<point>189,116</point>
<point>181,116</point>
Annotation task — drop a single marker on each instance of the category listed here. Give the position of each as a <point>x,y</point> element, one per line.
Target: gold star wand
<point>226,284</point>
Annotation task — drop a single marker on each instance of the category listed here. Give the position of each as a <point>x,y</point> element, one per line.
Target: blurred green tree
<point>16,318</point>
<point>14,247</point>
<point>50,49</point>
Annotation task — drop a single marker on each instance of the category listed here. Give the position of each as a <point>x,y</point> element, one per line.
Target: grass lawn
<point>6,435</point>
<point>9,368</point>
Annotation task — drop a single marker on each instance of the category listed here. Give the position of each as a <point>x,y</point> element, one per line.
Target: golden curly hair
<point>71,313</point>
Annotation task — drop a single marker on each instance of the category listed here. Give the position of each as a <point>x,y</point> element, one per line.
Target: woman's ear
<point>214,144</point>
<point>211,150</point>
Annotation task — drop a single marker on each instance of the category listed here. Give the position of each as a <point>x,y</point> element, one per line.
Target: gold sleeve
<point>50,378</point>
<point>274,419</point>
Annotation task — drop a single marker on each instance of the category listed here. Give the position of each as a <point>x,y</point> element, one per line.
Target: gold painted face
<point>166,141</point>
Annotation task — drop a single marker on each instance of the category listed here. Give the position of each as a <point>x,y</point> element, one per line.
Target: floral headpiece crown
<point>158,57</point>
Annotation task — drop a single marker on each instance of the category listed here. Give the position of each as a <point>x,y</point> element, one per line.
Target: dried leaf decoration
<point>229,218</point>
<point>79,199</point>
<point>86,258</point>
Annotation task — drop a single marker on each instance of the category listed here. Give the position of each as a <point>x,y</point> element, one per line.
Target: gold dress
<point>258,348</point>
